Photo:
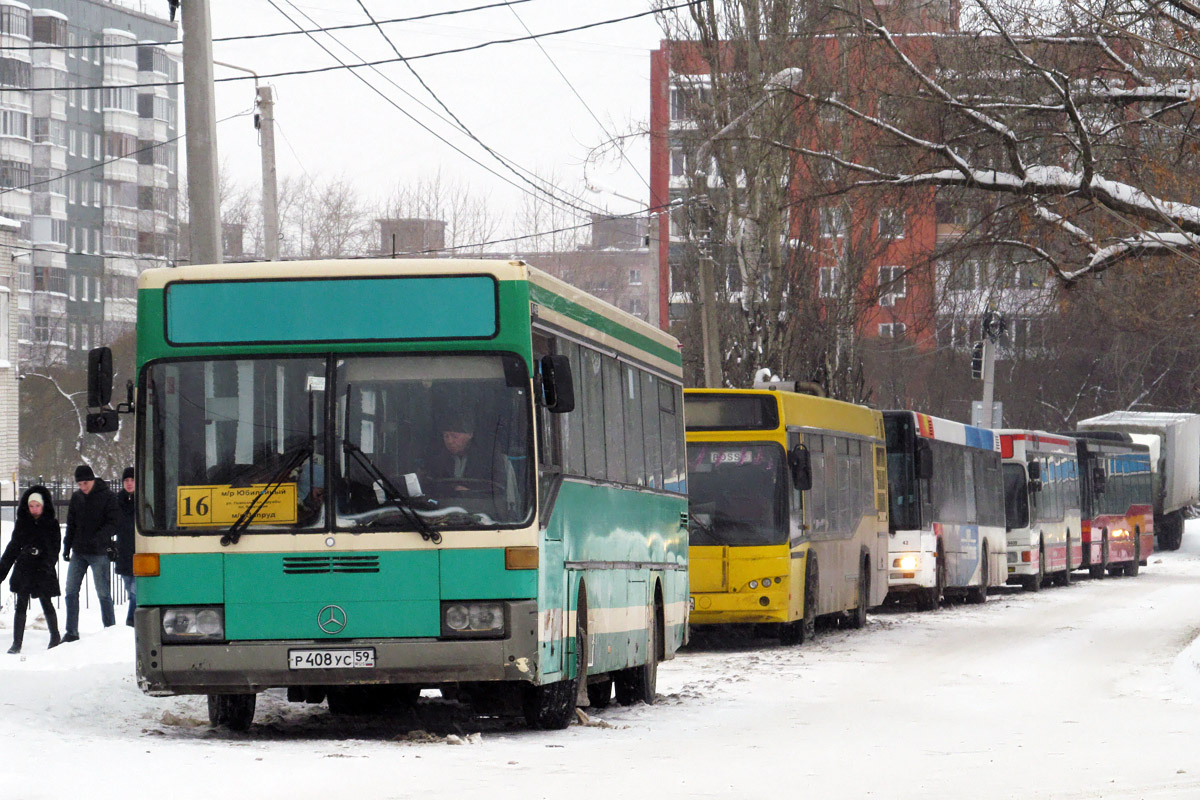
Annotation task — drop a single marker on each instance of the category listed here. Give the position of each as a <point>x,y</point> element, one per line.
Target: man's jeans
<point>78,565</point>
<point>131,593</point>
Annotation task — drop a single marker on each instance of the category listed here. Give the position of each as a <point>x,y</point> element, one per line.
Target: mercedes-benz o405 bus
<point>358,479</point>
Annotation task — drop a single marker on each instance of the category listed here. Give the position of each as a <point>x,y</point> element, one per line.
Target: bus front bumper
<point>251,666</point>
<point>721,608</point>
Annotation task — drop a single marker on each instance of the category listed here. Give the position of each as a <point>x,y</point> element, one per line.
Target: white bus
<point>946,493</point>
<point>1041,504</point>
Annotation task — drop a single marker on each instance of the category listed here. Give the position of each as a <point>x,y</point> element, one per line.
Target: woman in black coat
<point>32,556</point>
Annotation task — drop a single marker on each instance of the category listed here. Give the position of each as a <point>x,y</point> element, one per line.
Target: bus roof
<point>947,430</point>
<point>554,302</point>
<point>808,411</point>
<point>1036,441</point>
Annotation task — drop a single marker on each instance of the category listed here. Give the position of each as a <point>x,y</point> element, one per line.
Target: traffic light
<point>977,361</point>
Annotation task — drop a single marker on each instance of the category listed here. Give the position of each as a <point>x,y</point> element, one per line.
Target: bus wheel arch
<point>640,684</point>
<point>1098,571</point>
<point>978,594</point>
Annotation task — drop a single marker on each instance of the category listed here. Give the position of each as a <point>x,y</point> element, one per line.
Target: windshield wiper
<point>402,503</point>
<point>294,462</point>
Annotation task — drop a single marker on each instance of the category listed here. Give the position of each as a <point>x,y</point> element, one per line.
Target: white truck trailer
<point>1174,441</point>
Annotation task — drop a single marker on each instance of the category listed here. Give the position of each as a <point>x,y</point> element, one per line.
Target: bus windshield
<point>1016,498</point>
<point>737,494</point>
<point>903,489</point>
<point>397,442</point>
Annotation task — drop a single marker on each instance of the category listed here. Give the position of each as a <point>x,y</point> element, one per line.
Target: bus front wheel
<point>1134,566</point>
<point>234,711</point>
<point>551,706</point>
<point>1098,570</point>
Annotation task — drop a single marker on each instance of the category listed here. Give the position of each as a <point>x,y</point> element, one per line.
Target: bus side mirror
<point>1035,476</point>
<point>99,377</point>
<point>800,463</point>
<point>924,460</point>
<point>1099,479</point>
<point>558,390</point>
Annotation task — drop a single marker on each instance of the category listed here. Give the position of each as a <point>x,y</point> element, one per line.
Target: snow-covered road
<point>1086,692</point>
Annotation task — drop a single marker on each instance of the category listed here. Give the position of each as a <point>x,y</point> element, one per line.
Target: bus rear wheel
<point>978,594</point>
<point>551,706</point>
<point>234,711</point>
<point>640,684</point>
<point>858,618</point>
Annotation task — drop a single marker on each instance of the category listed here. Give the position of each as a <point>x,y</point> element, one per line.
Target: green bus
<point>358,479</point>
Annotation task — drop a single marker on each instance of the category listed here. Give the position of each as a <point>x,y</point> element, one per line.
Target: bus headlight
<point>473,619</point>
<point>193,624</point>
<point>907,563</point>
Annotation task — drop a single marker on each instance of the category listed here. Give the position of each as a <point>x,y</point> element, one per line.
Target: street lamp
<point>710,349</point>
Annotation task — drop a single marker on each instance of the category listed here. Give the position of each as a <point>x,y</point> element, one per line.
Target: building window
<point>635,306</point>
<point>829,281</point>
<point>14,174</point>
<point>963,277</point>
<point>41,329</point>
<point>14,123</point>
<point>892,284</point>
<point>687,102</point>
<point>72,287</point>
<point>678,162</point>
<point>833,222</point>
<point>14,20</point>
<point>891,223</point>
<point>635,277</point>
<point>892,330</point>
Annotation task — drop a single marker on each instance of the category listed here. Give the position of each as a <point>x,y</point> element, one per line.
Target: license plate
<point>331,659</point>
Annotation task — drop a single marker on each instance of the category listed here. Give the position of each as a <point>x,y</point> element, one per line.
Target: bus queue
<point>520,504</point>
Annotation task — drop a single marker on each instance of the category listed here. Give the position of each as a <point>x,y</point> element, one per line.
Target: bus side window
<point>816,495</point>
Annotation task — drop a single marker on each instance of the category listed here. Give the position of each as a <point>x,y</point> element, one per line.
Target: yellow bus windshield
<point>737,493</point>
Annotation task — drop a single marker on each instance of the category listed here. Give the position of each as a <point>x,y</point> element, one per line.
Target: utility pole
<point>266,129</point>
<point>204,202</point>
<point>993,327</point>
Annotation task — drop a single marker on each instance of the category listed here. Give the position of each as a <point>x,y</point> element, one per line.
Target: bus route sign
<point>223,505</point>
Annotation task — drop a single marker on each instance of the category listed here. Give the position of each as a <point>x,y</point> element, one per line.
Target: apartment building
<point>88,166</point>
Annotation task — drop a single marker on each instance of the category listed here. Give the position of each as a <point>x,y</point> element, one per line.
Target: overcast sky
<point>509,95</point>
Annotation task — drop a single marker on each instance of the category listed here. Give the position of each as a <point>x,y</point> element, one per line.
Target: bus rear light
<point>520,558</point>
<point>1027,557</point>
<point>145,565</point>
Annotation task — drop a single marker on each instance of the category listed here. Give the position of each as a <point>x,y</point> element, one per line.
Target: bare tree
<point>470,221</point>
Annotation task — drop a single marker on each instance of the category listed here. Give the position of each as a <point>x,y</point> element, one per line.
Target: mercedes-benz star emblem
<point>331,619</point>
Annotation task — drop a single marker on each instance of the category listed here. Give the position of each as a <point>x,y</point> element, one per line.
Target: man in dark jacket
<point>128,507</point>
<point>92,520</point>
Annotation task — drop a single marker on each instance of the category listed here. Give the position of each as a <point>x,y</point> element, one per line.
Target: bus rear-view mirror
<point>99,377</point>
<point>924,461</point>
<point>800,464</point>
<point>558,389</point>
<point>1035,476</point>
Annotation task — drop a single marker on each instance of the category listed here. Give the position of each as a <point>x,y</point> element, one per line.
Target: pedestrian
<point>128,507</point>
<point>31,555</point>
<point>92,521</point>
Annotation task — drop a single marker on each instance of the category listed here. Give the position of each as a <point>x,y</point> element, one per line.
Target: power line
<point>99,164</point>
<point>353,67</point>
<point>392,102</point>
<point>646,211</point>
<point>463,127</point>
<point>250,36</point>
<point>575,91</point>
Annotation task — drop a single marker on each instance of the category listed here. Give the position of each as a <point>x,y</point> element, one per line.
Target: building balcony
<point>123,169</point>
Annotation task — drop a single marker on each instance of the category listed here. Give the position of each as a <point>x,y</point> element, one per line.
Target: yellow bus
<point>787,509</point>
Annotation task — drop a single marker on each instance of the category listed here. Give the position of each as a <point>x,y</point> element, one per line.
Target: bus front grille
<point>321,565</point>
